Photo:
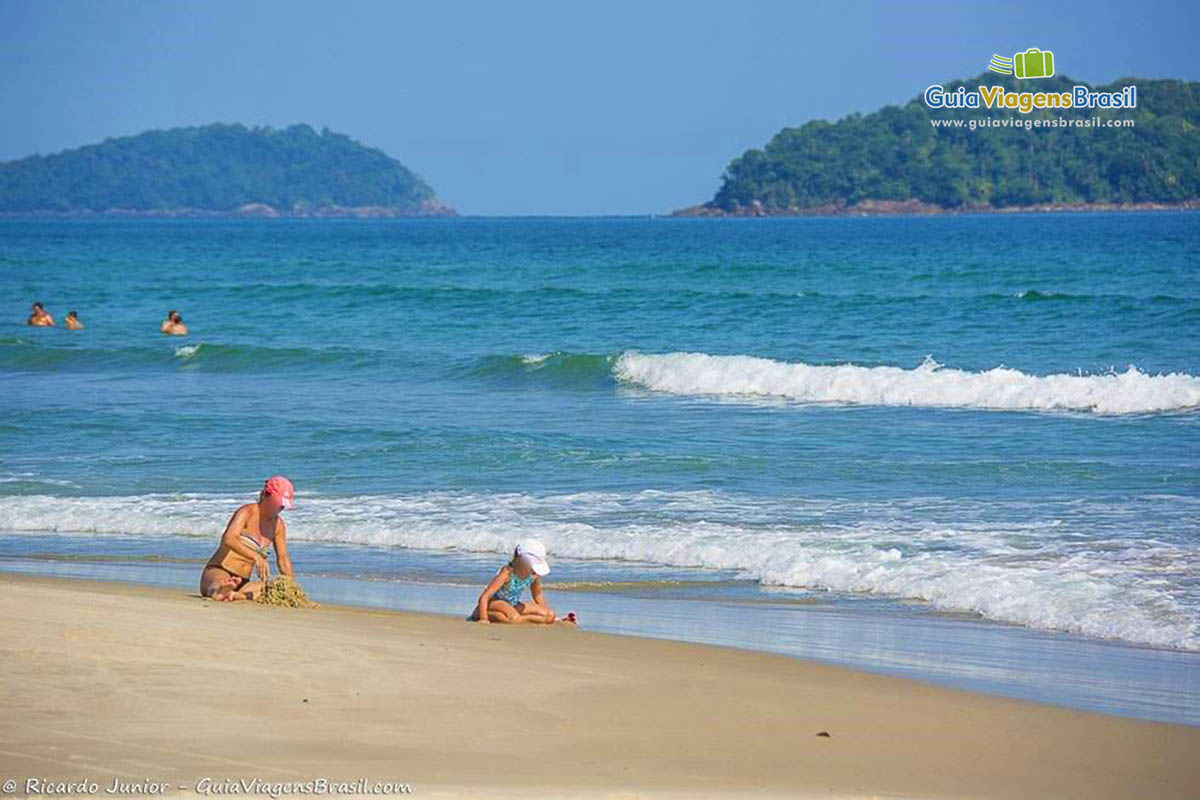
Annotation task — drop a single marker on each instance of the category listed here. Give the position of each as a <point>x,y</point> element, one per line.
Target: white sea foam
<point>187,350</point>
<point>929,385</point>
<point>999,562</point>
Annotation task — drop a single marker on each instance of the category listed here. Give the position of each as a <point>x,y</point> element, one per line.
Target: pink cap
<point>281,486</point>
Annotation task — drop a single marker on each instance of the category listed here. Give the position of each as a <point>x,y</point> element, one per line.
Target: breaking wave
<point>928,385</point>
<point>1048,572</point>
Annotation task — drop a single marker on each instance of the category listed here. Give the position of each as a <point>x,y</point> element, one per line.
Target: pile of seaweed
<point>284,591</point>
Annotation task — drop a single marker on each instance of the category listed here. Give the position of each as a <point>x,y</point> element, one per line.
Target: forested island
<point>895,161</point>
<point>219,169</point>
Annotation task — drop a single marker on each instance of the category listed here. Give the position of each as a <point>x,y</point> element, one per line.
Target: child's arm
<point>539,599</point>
<point>488,591</point>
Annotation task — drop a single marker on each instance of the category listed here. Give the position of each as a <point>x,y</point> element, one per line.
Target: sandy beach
<point>109,682</point>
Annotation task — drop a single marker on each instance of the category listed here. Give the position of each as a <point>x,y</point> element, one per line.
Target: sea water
<point>959,448</point>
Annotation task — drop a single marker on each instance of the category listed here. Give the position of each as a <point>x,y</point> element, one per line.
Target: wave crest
<point>567,370</point>
<point>928,385</point>
<point>18,354</point>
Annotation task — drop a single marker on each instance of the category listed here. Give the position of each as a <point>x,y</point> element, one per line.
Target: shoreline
<point>248,211</point>
<point>875,635</point>
<point>868,208</point>
<point>917,208</point>
<point>458,708</point>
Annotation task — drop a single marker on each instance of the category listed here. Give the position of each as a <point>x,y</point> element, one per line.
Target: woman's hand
<point>264,569</point>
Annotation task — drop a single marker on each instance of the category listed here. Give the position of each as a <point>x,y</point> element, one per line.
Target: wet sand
<point>104,681</point>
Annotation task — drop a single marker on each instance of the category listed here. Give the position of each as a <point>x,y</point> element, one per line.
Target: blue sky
<point>537,107</point>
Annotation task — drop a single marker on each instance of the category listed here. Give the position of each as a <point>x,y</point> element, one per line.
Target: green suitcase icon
<point>1034,63</point>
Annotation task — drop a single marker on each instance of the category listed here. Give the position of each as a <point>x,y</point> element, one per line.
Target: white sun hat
<point>535,551</point>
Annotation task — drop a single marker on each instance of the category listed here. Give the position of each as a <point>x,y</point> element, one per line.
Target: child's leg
<point>500,611</point>
<point>532,612</point>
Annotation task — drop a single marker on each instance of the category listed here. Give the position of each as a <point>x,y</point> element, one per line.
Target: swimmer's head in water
<point>281,489</point>
<point>72,314</point>
<point>173,316</point>
<point>38,307</point>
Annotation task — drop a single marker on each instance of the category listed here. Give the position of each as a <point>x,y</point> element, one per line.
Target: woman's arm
<point>282,560</point>
<point>233,541</point>
<point>489,590</point>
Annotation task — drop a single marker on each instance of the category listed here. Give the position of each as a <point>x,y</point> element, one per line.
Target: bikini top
<point>230,561</point>
<point>252,543</point>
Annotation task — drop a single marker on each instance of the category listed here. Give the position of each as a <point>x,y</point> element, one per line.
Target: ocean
<point>958,448</point>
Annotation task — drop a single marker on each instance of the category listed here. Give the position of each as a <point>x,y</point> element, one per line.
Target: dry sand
<point>106,681</point>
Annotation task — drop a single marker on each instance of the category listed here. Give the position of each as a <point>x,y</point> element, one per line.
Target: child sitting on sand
<point>501,599</point>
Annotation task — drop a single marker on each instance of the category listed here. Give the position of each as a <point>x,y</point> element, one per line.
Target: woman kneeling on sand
<point>251,531</point>
<point>501,599</point>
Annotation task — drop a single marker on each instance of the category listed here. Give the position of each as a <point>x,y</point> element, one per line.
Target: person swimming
<point>252,530</point>
<point>39,318</point>
<point>73,322</point>
<point>173,324</point>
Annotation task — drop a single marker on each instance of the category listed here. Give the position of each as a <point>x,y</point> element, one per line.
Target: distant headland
<point>219,169</point>
<point>913,159</point>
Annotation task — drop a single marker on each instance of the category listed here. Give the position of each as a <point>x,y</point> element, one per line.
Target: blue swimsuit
<point>511,591</point>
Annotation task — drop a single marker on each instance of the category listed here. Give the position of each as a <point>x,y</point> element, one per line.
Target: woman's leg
<point>248,591</point>
<point>222,585</point>
<point>218,584</point>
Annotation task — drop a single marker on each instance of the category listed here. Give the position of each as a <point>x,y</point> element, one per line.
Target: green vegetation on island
<point>219,169</point>
<point>895,160</point>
